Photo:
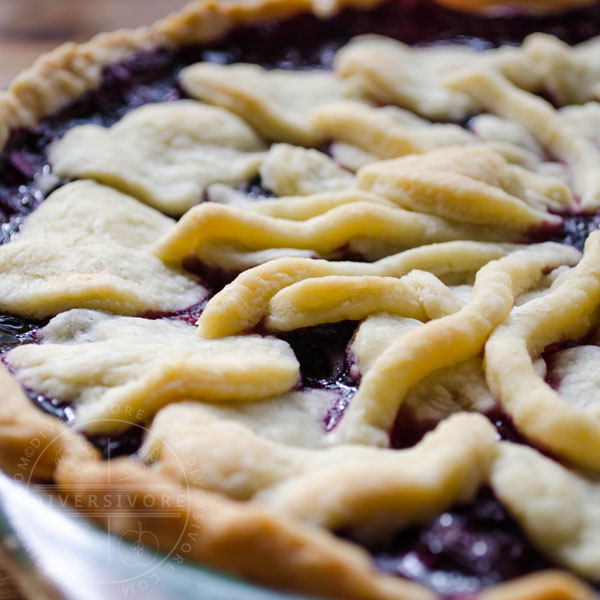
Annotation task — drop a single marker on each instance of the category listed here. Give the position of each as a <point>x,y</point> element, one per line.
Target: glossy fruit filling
<point>463,550</point>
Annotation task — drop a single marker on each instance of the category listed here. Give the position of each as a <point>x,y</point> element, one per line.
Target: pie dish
<point>325,277</point>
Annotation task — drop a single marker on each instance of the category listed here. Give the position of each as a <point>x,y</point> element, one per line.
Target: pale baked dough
<point>390,72</point>
<point>418,295</point>
<point>277,103</point>
<point>569,74</point>
<point>292,419</point>
<point>88,246</point>
<point>296,208</point>
<point>121,370</point>
<point>468,184</point>
<point>163,154</point>
<point>367,228</point>
<point>555,134</point>
<point>386,132</point>
<point>294,171</point>
<point>558,509</point>
<point>444,392</point>
<point>243,538</point>
<point>575,376</point>
<point>243,303</point>
<point>567,313</point>
<point>444,342</point>
<point>286,478</point>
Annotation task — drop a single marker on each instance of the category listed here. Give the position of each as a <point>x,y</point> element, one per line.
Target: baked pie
<point>324,275</point>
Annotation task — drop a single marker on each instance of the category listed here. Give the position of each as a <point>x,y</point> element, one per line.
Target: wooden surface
<point>29,28</point>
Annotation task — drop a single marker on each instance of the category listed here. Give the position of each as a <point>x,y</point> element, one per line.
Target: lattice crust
<point>242,538</point>
<point>95,255</point>
<point>127,368</point>
<point>293,171</point>
<point>557,508</point>
<point>276,103</point>
<point>294,208</point>
<point>570,75</point>
<point>163,154</point>
<point>366,228</point>
<point>440,221</point>
<point>562,139</point>
<point>286,477</point>
<point>570,430</point>
<point>462,452</point>
<point>472,184</point>
<point>460,387</point>
<point>386,132</point>
<point>243,303</point>
<point>585,118</point>
<point>390,72</point>
<point>444,342</point>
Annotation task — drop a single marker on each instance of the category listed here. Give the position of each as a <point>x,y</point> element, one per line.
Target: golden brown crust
<point>529,6</point>
<point>32,442</point>
<point>249,541</point>
<point>547,585</point>
<point>235,537</point>
<point>60,76</point>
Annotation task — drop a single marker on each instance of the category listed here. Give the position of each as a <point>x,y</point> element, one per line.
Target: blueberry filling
<point>463,550</point>
<point>324,363</point>
<point>408,430</point>
<point>63,411</point>
<point>15,330</point>
<point>127,443</point>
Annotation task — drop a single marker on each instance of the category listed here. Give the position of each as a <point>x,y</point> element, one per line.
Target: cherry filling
<point>463,550</point>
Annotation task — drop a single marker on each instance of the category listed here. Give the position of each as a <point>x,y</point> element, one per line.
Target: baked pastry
<point>360,362</point>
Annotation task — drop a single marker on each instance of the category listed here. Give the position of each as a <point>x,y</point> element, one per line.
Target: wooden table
<point>29,28</point>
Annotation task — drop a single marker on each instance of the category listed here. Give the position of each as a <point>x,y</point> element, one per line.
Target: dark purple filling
<point>324,364</point>
<point>462,551</point>
<point>15,330</point>
<point>408,430</point>
<point>575,230</point>
<point>465,549</point>
<point>124,444</point>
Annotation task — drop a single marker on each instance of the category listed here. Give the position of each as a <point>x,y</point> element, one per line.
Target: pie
<point>325,276</point>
